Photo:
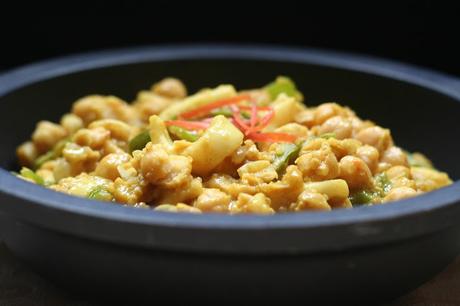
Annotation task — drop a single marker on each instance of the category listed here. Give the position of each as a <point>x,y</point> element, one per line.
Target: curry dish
<point>224,151</point>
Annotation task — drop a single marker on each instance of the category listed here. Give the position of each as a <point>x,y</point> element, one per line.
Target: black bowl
<point>367,254</point>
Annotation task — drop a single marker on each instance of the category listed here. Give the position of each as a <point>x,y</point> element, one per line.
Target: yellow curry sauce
<point>225,151</point>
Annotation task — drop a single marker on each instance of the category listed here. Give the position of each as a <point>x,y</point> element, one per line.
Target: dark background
<point>424,33</point>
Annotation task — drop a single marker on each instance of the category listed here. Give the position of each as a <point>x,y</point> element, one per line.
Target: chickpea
<point>400,176</point>
<point>400,193</point>
<point>46,135</point>
<point>95,107</point>
<point>319,164</point>
<point>306,118</point>
<point>258,204</point>
<point>84,184</point>
<point>163,169</point>
<point>370,156</point>
<point>382,167</point>
<point>189,192</point>
<point>171,88</point>
<point>213,200</point>
<point>344,147</point>
<point>375,136</point>
<point>429,179</point>
<point>107,167</point>
<point>181,207</point>
<point>47,176</point>
<point>257,172</point>
<point>313,145</point>
<point>395,156</point>
<point>285,191</point>
<point>229,185</point>
<point>309,200</point>
<point>71,123</point>
<point>341,127</point>
<point>26,153</point>
<point>81,158</point>
<point>326,111</point>
<point>113,146</point>
<point>397,172</point>
<point>359,125</point>
<point>247,151</point>
<point>131,191</point>
<point>49,165</point>
<point>94,138</point>
<point>118,129</point>
<point>294,129</point>
<point>62,169</point>
<point>149,103</point>
<point>356,172</point>
<point>420,160</point>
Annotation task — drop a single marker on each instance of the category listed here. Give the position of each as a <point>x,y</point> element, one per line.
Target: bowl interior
<point>420,119</point>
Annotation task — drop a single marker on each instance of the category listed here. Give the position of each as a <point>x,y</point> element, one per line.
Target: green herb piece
<point>43,159</point>
<point>245,115</point>
<point>327,135</point>
<point>288,153</point>
<point>363,197</point>
<point>383,183</point>
<point>59,147</point>
<point>139,141</point>
<point>282,85</point>
<point>29,174</point>
<point>51,154</point>
<point>382,186</point>
<point>184,134</point>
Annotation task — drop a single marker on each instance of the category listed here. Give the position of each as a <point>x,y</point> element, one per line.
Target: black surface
<point>422,32</point>
<point>102,247</point>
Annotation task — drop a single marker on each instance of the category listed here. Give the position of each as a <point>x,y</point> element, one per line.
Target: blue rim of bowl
<point>47,202</point>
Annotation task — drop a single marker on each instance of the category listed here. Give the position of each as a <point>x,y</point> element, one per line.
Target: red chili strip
<point>237,118</point>
<point>272,137</point>
<point>263,123</point>
<point>259,108</point>
<point>206,120</point>
<point>254,119</point>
